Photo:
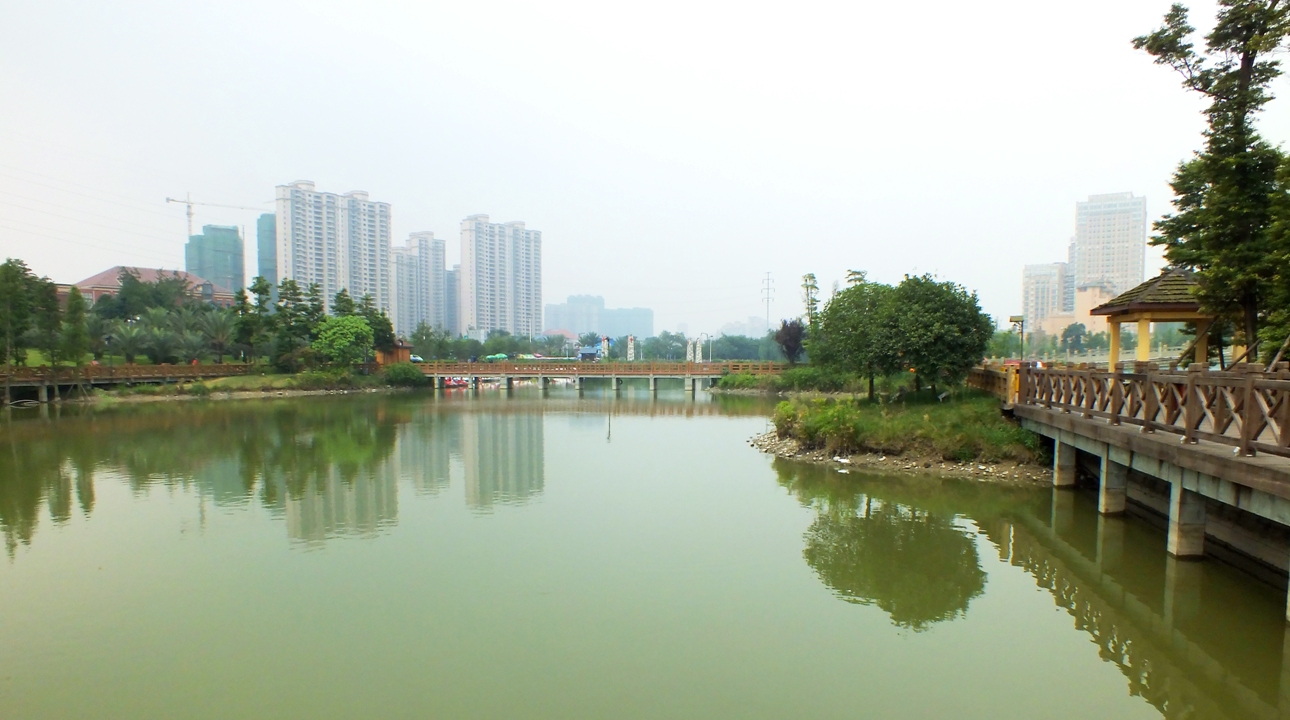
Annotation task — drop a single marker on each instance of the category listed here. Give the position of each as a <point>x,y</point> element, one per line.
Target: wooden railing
<point>596,369</point>
<point>118,373</point>
<point>1244,407</point>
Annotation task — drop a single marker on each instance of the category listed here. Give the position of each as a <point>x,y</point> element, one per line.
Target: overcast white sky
<point>671,153</point>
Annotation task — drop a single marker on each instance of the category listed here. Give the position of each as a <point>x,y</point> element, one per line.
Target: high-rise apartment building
<point>587,313</point>
<point>217,255</point>
<point>266,247</point>
<point>418,284</point>
<point>452,301</point>
<point>1110,241</point>
<point>501,278</point>
<point>337,241</point>
<point>1043,292</point>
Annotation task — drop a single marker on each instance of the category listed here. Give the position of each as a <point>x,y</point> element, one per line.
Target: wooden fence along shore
<point>1246,407</point>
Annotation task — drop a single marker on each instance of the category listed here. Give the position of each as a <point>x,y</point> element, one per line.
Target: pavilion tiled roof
<point>1173,290</point>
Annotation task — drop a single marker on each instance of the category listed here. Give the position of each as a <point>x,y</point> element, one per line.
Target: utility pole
<point>767,291</point>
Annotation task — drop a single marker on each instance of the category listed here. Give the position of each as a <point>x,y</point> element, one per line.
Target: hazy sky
<point>670,153</point>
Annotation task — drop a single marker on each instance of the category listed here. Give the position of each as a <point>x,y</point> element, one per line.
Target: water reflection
<point>916,563</point>
<point>1192,639</point>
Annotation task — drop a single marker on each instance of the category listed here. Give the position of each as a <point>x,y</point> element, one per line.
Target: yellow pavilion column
<point>1144,339</point>
<point>1114,327</point>
<point>1202,343</point>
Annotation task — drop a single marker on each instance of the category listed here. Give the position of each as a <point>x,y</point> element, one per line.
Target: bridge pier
<point>613,383</point>
<point>42,393</point>
<point>1113,485</point>
<point>581,386</point>
<point>1063,464</point>
<point>1186,522</point>
<point>653,385</point>
<point>543,382</point>
<point>510,384</point>
<point>474,383</point>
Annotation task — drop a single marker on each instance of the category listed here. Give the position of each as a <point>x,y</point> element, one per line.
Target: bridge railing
<point>595,369</point>
<point>1246,407</point>
<point>118,373</point>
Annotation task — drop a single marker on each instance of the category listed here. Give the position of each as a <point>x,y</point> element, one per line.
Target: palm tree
<point>128,339</point>
<point>183,320</point>
<point>192,346</point>
<point>160,344</point>
<point>219,327</point>
<point>155,318</point>
<point>99,329</point>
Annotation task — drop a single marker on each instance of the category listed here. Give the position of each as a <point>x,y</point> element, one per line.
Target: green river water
<point>413,556</point>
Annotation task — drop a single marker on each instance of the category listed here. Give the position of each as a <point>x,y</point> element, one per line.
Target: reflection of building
<point>423,449</point>
<point>332,506</point>
<point>504,457</point>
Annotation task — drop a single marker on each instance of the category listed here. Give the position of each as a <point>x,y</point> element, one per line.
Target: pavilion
<point>1170,297</point>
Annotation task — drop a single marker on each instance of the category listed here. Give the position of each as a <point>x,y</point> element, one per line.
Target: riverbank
<point>965,435</point>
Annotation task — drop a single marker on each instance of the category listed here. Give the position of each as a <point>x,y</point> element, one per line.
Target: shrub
<point>198,389</point>
<point>739,381</point>
<point>404,374</point>
<point>814,377</point>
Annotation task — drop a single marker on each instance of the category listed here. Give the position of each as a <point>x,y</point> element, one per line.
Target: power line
<point>87,222</point>
<point>70,209</point>
<point>98,199</point>
<point>64,238</point>
<point>767,291</point>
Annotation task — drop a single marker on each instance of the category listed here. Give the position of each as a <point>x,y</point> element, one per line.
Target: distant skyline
<point>671,155</point>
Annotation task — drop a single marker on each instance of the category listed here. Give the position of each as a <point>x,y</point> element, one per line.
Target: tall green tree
<point>315,308</point>
<point>1225,194</point>
<point>343,304</point>
<point>790,337</point>
<point>811,296</point>
<point>344,341</point>
<point>16,299</point>
<point>220,329</point>
<point>855,331</point>
<point>129,339</point>
<point>47,328</point>
<point>940,332</point>
<point>382,329</point>
<point>76,332</point>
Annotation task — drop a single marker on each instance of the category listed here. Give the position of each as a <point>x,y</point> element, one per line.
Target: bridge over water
<point>1207,452</point>
<point>690,374</point>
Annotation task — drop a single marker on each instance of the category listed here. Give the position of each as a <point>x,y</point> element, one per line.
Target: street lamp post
<point>1019,322</point>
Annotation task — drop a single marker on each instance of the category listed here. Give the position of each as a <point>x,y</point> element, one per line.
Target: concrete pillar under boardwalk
<point>1112,487</point>
<point>1063,511</point>
<point>1186,523</point>
<point>1110,542</point>
<point>42,393</point>
<point>510,384</point>
<point>580,386</point>
<point>1182,591</point>
<point>653,385</point>
<point>613,383</point>
<point>1063,464</point>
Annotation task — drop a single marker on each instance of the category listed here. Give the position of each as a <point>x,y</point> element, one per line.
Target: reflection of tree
<point>913,564</point>
<point>892,542</point>
<point>231,451</point>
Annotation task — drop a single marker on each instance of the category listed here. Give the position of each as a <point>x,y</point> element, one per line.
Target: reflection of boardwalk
<point>334,507</point>
<point>504,457</point>
<point>1158,642</point>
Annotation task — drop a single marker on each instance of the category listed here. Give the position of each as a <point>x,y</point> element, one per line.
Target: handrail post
<point>1250,414</point>
<point>1193,409</point>
<point>1150,403</point>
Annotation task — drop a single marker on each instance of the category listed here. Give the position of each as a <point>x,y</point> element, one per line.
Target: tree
<point>292,330</point>
<point>99,328</point>
<point>379,322</point>
<point>854,331</point>
<point>47,330</point>
<point>1224,196</point>
<point>190,345</point>
<point>219,327</point>
<point>76,333</point>
<point>128,339</point>
<point>16,284</point>
<point>344,341</point>
<point>811,294</point>
<point>589,339</point>
<point>1073,337</point>
<point>315,309</point>
<point>789,337</point>
<point>343,305</point>
<point>939,330</point>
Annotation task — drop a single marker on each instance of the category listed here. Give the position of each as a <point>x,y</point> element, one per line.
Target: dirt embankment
<point>1006,472</point>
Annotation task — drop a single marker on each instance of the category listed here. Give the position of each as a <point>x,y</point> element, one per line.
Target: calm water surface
<point>494,557</point>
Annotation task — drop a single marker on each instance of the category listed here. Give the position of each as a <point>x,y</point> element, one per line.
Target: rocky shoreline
<point>1010,473</point>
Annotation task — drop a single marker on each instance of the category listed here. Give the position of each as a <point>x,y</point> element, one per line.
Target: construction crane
<point>190,203</point>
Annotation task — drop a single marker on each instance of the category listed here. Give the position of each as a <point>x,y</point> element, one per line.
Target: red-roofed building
<point>108,282</point>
